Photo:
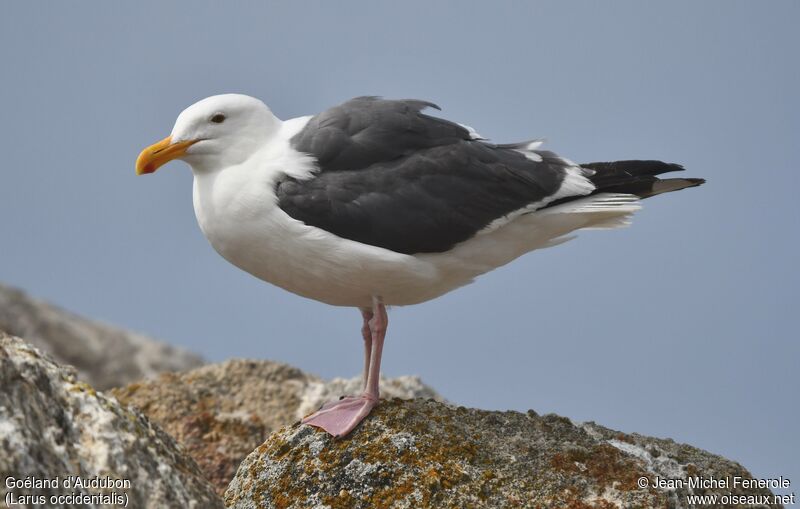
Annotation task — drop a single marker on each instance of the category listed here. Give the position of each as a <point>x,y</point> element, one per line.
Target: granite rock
<point>104,356</point>
<point>422,453</point>
<point>53,426</point>
<point>221,412</point>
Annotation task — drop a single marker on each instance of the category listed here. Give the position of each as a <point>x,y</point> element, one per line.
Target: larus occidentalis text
<point>374,203</point>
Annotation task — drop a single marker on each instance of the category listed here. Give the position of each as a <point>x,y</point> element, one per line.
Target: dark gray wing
<point>368,130</point>
<point>393,177</point>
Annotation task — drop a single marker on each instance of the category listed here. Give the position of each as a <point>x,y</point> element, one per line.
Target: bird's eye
<point>218,118</point>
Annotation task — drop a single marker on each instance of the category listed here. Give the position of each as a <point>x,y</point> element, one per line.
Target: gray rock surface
<point>221,412</point>
<point>53,426</point>
<point>421,454</point>
<point>104,356</point>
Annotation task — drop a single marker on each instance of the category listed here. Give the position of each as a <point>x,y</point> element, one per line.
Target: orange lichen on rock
<point>605,464</point>
<point>421,453</point>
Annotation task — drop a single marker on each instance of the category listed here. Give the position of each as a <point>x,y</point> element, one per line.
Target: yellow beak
<point>158,154</point>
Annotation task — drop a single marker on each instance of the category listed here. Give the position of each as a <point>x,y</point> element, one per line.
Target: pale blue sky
<point>681,326</point>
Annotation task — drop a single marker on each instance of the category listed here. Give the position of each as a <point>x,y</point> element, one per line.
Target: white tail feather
<point>614,203</point>
<point>604,211</point>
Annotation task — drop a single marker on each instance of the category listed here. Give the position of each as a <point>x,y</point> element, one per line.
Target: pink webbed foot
<point>340,417</point>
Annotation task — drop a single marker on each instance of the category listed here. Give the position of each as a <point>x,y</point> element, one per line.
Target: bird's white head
<point>214,133</point>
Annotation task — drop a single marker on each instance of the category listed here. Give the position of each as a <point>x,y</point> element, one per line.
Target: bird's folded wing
<point>393,177</point>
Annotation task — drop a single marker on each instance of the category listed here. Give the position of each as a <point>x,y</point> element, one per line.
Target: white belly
<point>248,229</point>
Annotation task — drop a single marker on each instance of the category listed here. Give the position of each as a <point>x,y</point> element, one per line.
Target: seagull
<point>373,203</point>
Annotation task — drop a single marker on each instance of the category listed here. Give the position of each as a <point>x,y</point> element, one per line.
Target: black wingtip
<point>633,167</point>
<point>638,177</point>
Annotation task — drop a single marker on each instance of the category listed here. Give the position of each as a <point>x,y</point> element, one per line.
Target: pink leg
<point>366,333</point>
<point>340,417</point>
<point>377,325</point>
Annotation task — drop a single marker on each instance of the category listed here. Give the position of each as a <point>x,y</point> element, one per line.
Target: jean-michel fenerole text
<point>712,482</point>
